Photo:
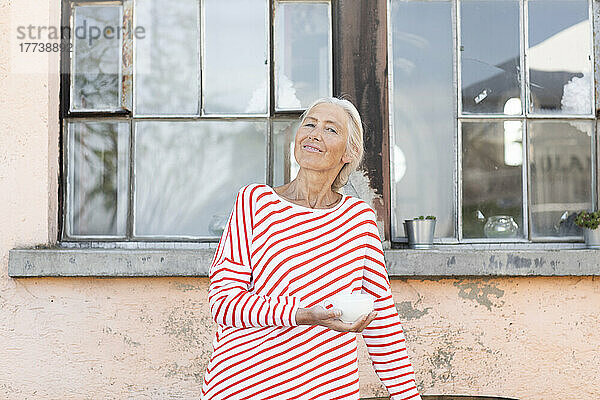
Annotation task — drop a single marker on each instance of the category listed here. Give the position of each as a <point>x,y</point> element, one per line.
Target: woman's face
<point>321,140</point>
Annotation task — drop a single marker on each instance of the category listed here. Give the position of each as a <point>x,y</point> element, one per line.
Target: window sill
<point>60,262</point>
<point>108,262</point>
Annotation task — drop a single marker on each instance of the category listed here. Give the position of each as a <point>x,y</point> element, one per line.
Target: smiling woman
<point>284,254</point>
<point>332,126</point>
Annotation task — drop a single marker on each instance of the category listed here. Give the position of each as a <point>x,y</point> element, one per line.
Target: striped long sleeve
<point>230,298</point>
<point>276,256</point>
<point>384,336</point>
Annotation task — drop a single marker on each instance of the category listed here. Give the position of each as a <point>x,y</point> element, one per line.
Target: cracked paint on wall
<point>126,338</point>
<point>480,292</point>
<point>407,311</point>
<point>441,362</point>
<point>192,371</point>
<point>187,328</point>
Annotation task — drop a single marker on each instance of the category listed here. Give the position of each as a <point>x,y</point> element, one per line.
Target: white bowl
<point>352,305</point>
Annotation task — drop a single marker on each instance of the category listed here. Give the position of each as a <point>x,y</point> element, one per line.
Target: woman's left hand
<point>318,315</point>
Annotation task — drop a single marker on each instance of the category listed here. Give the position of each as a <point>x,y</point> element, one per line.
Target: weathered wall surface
<point>150,338</point>
<point>83,338</point>
<point>530,338</point>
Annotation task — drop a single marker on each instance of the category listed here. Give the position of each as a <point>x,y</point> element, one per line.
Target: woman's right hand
<point>318,315</point>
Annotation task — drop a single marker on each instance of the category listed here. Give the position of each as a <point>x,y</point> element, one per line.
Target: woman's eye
<point>309,124</point>
<point>332,130</point>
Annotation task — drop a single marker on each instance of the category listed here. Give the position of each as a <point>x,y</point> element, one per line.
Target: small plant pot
<point>592,238</point>
<point>419,233</point>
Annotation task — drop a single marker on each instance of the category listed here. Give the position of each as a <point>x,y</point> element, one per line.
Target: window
<point>170,107</point>
<point>492,118</point>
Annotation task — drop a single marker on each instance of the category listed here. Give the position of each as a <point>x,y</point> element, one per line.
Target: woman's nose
<point>315,133</point>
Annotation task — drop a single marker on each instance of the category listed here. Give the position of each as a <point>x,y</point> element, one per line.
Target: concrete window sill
<point>400,263</point>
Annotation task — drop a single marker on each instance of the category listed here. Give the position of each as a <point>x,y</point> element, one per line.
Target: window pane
<point>561,175</point>
<point>187,174</point>
<point>96,58</point>
<point>285,167</point>
<point>423,114</point>
<point>302,54</point>
<point>490,53</point>
<point>98,178</point>
<point>560,67</point>
<point>166,57</point>
<point>492,179</point>
<point>235,56</point>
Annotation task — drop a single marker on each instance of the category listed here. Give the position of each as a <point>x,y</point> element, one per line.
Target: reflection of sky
<point>416,41</point>
<point>490,37</point>
<point>417,45</point>
<point>235,55</point>
<point>490,31</point>
<point>547,17</point>
<point>166,59</point>
<point>195,174</point>
<point>302,53</point>
<point>423,112</point>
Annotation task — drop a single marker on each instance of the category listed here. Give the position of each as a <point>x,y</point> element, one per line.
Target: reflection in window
<point>490,55</point>
<point>423,116</point>
<point>561,175</point>
<point>96,61</point>
<point>235,57</point>
<point>302,53</point>
<point>98,178</point>
<point>492,188</point>
<point>513,135</point>
<point>187,173</point>
<point>559,57</point>
<point>167,57</point>
<point>285,167</point>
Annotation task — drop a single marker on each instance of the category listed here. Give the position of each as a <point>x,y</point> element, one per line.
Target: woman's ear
<point>346,159</point>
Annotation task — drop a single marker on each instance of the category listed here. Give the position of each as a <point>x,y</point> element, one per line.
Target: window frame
<point>163,259</point>
<point>458,240</point>
<point>66,115</point>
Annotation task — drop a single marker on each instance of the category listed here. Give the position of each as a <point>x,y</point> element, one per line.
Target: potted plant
<point>590,221</point>
<point>420,231</point>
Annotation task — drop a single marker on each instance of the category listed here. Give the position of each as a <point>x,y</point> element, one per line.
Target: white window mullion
<point>524,107</point>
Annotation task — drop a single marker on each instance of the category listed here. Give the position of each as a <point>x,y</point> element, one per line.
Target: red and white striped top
<point>276,256</point>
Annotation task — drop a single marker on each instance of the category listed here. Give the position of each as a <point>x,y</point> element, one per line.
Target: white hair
<point>354,146</point>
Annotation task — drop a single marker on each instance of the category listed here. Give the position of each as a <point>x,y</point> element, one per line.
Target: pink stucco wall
<point>80,338</point>
<point>83,338</point>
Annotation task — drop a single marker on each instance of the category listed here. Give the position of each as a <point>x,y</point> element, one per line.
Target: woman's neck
<point>312,189</point>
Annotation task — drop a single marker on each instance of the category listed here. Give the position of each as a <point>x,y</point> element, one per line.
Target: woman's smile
<point>323,132</point>
<point>312,149</point>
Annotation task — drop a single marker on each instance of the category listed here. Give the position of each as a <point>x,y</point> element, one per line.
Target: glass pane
<point>285,167</point>
<point>302,54</point>
<point>492,179</point>
<point>235,56</point>
<point>561,175</point>
<point>166,57</point>
<point>423,114</point>
<point>187,174</point>
<point>96,58</point>
<point>98,178</point>
<point>490,52</point>
<point>560,67</point>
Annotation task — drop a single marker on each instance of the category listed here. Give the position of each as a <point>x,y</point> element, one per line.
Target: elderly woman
<point>284,252</point>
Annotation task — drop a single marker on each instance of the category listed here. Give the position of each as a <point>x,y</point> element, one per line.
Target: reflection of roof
<point>563,52</point>
<point>552,63</point>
